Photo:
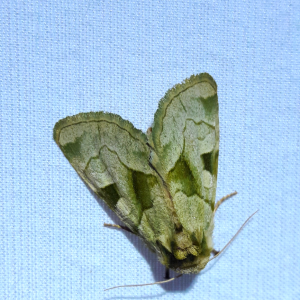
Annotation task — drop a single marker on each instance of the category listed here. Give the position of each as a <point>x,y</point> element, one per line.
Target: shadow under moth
<point>162,184</point>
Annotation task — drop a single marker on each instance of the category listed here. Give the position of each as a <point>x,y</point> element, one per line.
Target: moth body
<point>161,185</point>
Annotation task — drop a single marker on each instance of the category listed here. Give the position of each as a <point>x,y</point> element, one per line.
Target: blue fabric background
<point>59,58</point>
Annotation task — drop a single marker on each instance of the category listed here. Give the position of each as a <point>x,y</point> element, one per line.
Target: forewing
<point>185,143</point>
<point>111,156</point>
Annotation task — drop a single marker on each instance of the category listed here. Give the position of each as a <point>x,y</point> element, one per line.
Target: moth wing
<point>111,156</point>
<point>185,143</point>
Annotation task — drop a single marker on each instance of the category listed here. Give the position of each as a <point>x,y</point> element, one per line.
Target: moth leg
<point>214,252</point>
<point>117,226</point>
<point>167,274</point>
<point>222,200</point>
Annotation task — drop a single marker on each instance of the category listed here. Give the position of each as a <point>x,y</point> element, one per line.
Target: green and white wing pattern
<point>185,147</point>
<point>111,156</point>
<point>162,186</point>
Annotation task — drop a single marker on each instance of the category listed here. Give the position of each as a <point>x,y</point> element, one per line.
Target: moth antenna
<point>234,236</point>
<point>135,285</point>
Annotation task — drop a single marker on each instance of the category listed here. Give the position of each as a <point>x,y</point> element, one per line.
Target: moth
<point>162,184</point>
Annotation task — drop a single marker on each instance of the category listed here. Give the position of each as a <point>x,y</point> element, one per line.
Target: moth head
<point>187,255</point>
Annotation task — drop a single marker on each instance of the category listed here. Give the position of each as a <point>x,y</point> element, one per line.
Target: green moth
<point>162,185</point>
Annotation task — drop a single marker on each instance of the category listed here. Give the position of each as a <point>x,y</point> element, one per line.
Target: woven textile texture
<point>59,58</point>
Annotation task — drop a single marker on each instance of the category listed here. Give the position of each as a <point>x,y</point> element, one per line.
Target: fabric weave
<point>59,58</point>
